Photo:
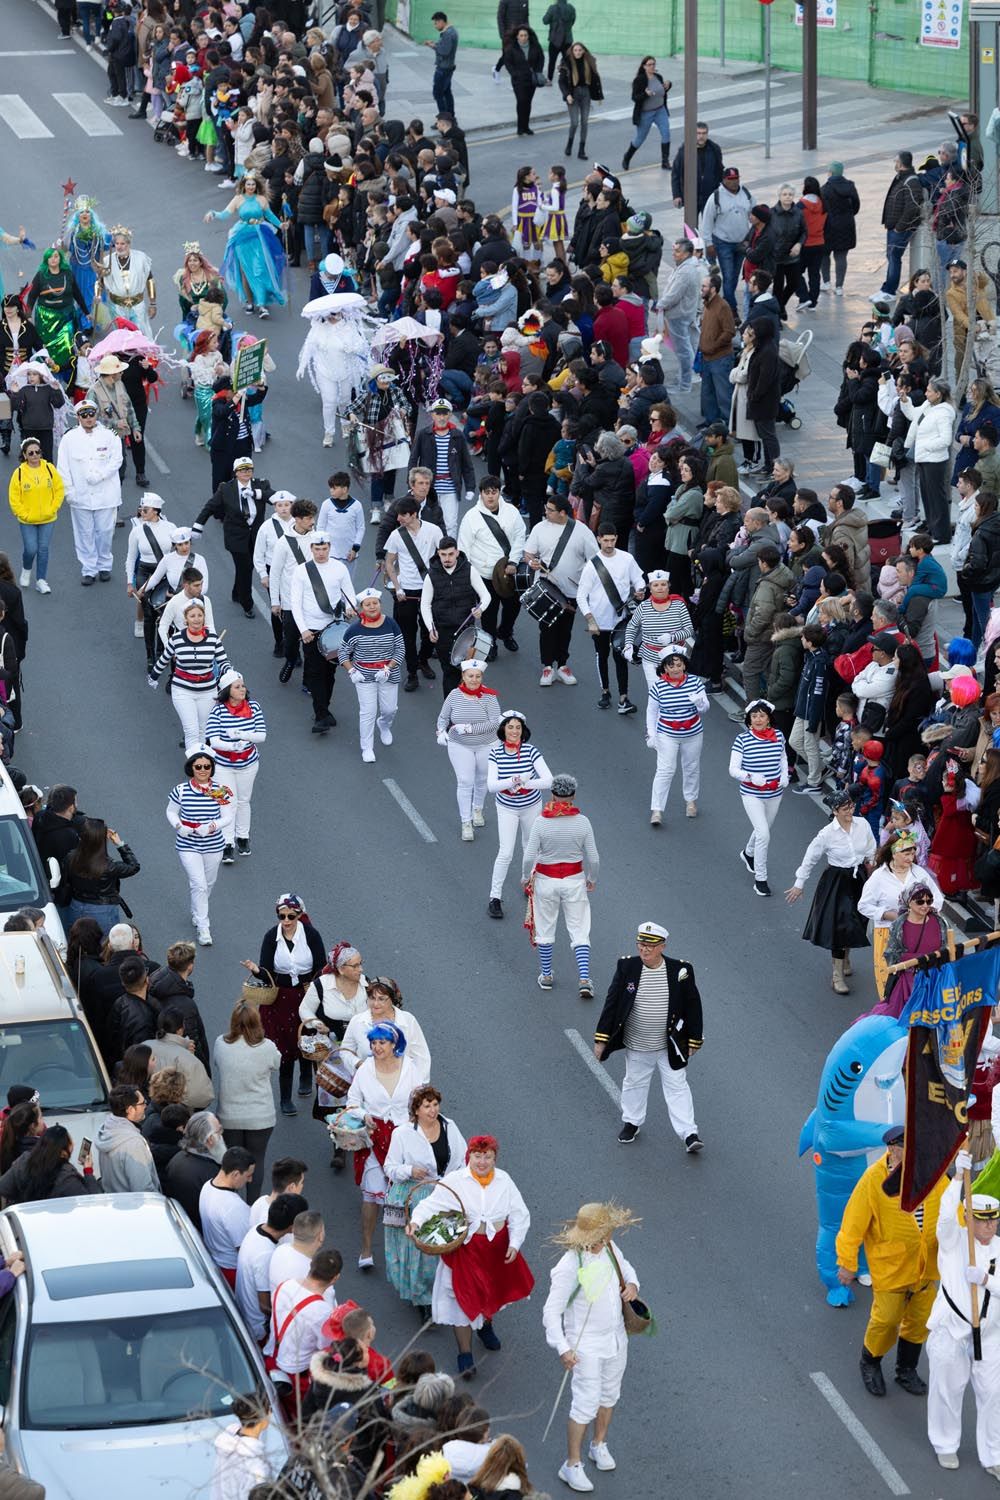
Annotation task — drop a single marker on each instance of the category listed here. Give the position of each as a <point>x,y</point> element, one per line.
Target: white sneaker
<point>824,286</point>
<point>478,821</point>
<point>137,630</point>
<point>376,516</point>
<point>204,937</point>
<point>838,291</point>
<point>948,1460</point>
<point>227,182</point>
<point>601,1457</point>
<point>385,735</point>
<point>547,678</point>
<point>565,675</point>
<point>368,756</point>
<point>366,1263</point>
<point>213,166</point>
<point>328,440</point>
<point>467,833</point>
<point>25,577</point>
<point>199,441</point>
<point>42,587</point>
<point>575,1475</point>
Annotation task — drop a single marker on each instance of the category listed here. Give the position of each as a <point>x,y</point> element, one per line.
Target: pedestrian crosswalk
<point>26,121</point>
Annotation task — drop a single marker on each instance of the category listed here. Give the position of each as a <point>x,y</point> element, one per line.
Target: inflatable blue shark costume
<point>860,1094</point>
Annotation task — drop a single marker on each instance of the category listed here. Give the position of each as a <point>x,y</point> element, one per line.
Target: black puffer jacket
<point>645,252</point>
<point>612,486</point>
<point>920,311</point>
<point>763,391</point>
<point>312,189</point>
<point>865,423</point>
<point>842,204</point>
<point>982,562</point>
<point>788,229</point>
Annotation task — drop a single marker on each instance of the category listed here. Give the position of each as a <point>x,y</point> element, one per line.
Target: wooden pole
<point>977,1346</point>
<point>978,942</point>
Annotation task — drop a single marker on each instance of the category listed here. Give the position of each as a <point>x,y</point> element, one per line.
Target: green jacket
<point>722,465</point>
<point>683,517</point>
<point>768,600</point>
<point>786,667</point>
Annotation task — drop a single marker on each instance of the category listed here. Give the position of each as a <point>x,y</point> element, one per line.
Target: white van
<point>45,1041</point>
<point>24,881</point>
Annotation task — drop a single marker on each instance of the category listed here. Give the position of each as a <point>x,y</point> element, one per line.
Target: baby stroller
<point>166,130</point>
<point>794,361</point>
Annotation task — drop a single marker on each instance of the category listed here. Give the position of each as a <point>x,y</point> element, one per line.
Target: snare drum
<point>472,641</point>
<point>523,576</point>
<point>332,638</point>
<point>543,601</point>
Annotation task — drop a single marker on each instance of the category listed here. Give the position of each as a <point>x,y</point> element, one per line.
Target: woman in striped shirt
<point>372,651</point>
<point>466,725</point>
<point>198,660</point>
<point>234,730</point>
<point>759,763</point>
<point>677,701</point>
<point>201,810</point>
<point>517,775</point>
<point>661,620</point>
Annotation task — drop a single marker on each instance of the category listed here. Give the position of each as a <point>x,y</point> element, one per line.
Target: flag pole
<point>969,945</point>
<point>977,1343</point>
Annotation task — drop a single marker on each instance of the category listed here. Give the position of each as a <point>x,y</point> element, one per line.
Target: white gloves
<point>383,673</point>
<point>470,494</point>
<point>356,676</point>
<point>649,742</point>
<point>700,701</point>
<point>462,728</point>
<point>963,1161</point>
<point>442,738</point>
<point>154,684</point>
<point>976,1275</point>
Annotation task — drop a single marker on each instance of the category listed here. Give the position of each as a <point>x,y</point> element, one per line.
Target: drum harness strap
<point>319,589</point>
<point>411,548</point>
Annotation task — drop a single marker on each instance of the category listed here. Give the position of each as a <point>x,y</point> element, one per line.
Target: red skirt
<point>381,1134</point>
<point>281,1020</point>
<point>482,1280</point>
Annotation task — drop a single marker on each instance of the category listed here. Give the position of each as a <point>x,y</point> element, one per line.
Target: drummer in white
<point>321,587</point>
<point>609,578</point>
<point>268,537</point>
<point>558,547</point>
<point>290,552</point>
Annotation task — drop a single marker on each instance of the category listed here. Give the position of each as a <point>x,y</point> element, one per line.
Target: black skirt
<point>834,920</point>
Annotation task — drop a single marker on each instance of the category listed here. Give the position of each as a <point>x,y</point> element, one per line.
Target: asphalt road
<point>722,1403</point>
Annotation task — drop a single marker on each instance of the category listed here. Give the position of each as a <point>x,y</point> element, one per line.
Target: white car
<point>24,880</point>
<point>121,1351</point>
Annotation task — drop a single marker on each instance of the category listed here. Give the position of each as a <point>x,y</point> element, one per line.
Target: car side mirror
<point>55,873</point>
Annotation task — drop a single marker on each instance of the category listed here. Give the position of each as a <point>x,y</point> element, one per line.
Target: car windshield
<point>56,1058</point>
<point>136,1371</point>
<point>20,875</point>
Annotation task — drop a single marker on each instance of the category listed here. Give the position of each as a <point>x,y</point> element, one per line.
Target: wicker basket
<point>318,1044</point>
<point>336,1071</point>
<point>258,990</point>
<point>427,1249</point>
<point>347,1136</point>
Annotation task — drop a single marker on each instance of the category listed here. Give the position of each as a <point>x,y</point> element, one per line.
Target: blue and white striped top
<point>528,763</point>
<point>190,808</point>
<point>650,623</point>
<point>442,473</point>
<point>198,665</point>
<point>758,757</point>
<point>235,739</point>
<point>369,648</point>
<point>676,714</point>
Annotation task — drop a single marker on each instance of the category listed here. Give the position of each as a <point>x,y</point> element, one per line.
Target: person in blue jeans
<point>715,345</point>
<point>649,108</point>
<point>86,14</point>
<point>35,494</point>
<point>445,55</point>
<point>901,214</point>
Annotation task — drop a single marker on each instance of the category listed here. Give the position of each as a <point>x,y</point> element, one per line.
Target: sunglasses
<point>922,901</point>
<point>202,765</point>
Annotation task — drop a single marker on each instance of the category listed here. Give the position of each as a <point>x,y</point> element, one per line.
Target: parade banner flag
<point>947,1016</point>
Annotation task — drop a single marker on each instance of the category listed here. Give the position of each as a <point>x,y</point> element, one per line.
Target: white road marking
<point>579,1045</point>
<point>42,52</point>
<point>83,111</point>
<point>158,462</point>
<point>396,792</point>
<point>859,1432</point>
<point>22,120</point>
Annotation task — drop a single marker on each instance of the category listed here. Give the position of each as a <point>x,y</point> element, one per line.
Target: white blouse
<point>882,890</point>
<point>369,1094</point>
<point>410,1148</point>
<point>417,1051</point>
<point>844,849</point>
<point>334,1005</point>
<point>291,962</point>
<point>487,1208</point>
<point>571,1321</point>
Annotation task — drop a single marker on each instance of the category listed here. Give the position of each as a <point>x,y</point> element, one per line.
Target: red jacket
<point>815,216</point>
<point>612,324</point>
<point>849,664</point>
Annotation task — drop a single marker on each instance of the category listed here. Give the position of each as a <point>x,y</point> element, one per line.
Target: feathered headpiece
<point>84,203</point>
<point>192,247</point>
<point>432,1468</point>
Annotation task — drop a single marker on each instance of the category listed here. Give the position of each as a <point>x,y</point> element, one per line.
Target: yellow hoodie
<point>35,495</point>
<point>901,1252</point>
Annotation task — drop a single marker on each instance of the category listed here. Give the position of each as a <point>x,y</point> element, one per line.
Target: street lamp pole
<point>691,113</point>
<point>809,75</point>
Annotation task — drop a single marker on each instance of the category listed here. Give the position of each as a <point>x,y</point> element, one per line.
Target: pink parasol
<point>127,340</point>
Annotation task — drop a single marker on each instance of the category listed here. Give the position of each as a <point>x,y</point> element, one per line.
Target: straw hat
<point>595,1222</point>
<point>111,365</point>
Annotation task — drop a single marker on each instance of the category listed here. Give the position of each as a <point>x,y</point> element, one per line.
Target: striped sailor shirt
<point>526,762</point>
<point>651,622</point>
<point>676,711</point>
<point>197,665</point>
<point>370,648</point>
<point>233,737</point>
<point>190,808</point>
<point>759,758</point>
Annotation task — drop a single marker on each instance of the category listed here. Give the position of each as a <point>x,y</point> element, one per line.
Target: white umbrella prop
<point>333,302</point>
<point>405,328</point>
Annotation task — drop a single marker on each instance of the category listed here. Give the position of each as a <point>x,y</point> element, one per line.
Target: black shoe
<point>87,580</point>
<point>228,855</point>
<point>250,614</point>
<point>746,860</point>
<point>304,1089</point>
<point>104,576</point>
<point>569,147</point>
<point>426,671</point>
<point>338,1161</point>
<point>627,1134</point>
<point>320,726</point>
<point>142,481</point>
<point>243,847</point>
<point>510,643</point>
<point>871,1374</point>
<point>410,685</point>
<point>906,1375</point>
<point>693,1144</point>
<point>604,701</point>
<point>487,1337</point>
<point>288,1108</point>
<point>911,1382</point>
<point>286,671</point>
<point>278,651</point>
<point>761,888</point>
<point>491,654</point>
<point>626,706</point>
<point>582,153</point>
<point>496,908</point>
<point>715,687</point>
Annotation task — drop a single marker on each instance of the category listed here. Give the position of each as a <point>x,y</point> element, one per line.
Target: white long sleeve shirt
<point>952,1259</point>
<point>845,849</point>
<point>883,889</point>
<point>140,548</point>
<point>417,1050</point>
<point>592,596</point>
<point>306,610</point>
<point>369,1094</point>
<point>410,1148</point>
<point>268,537</point>
<point>480,545</point>
<point>171,568</point>
<point>427,595</point>
<point>565,1319</point>
<point>344,525</point>
<point>284,560</point>
<point>89,464</point>
<point>486,1208</point>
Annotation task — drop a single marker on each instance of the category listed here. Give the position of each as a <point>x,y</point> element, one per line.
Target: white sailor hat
<point>228,678</point>
<point>984,1206</point>
<point>658,575</point>
<point>319,539</point>
<point>363,594</point>
<point>280,495</point>
<point>676,648</point>
<point>441,404</point>
<point>151,501</point>
<point>652,932</point>
<point>181,534</point>
<point>87,404</point>
<point>473,664</point>
<point>242,463</point>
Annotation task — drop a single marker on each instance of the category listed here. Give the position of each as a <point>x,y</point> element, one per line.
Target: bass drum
<point>332,638</point>
<point>543,601</point>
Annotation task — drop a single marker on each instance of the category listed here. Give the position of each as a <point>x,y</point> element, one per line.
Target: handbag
<point>638,1318</point>
<point>987,866</point>
<point>872,717</point>
<point>258,990</point>
<point>881,455</point>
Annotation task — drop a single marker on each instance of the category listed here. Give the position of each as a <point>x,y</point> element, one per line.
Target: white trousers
<point>639,1070</point>
<point>469,763</point>
<point>376,700</point>
<point>509,820</point>
<point>596,1381</point>
<point>568,895</point>
<point>448,500</point>
<point>329,395</point>
<point>92,534</point>
<point>240,780</point>
<point>649,669</point>
<point>670,748</point>
<point>762,812</point>
<point>950,1368</point>
<point>192,709</point>
<point>201,869</point>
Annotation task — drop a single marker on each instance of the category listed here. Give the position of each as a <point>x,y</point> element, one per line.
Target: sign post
<point>690,183</point>
<point>767,78</point>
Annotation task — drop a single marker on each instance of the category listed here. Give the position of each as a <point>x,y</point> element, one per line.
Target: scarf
<point>241,710</point>
<point>484,1181</point>
<point>663,603</point>
<point>373,624</point>
<point>764,734</point>
<point>472,692</point>
<point>556,809</point>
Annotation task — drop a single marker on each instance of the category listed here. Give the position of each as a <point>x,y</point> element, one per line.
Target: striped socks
<point>544,951</point>
<point>582,956</point>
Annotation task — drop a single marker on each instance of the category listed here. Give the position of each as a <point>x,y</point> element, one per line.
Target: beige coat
<point>172,1052</point>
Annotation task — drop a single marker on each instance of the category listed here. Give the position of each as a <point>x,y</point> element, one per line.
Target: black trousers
<point>286,1073</point>
<point>500,615</point>
<point>523,95</point>
<point>406,613</point>
<point>533,497</point>
<point>602,646</point>
<point>319,676</point>
<point>553,640</point>
<point>290,637</point>
<point>242,579</point>
<point>451,676</point>
<point>116,80</point>
<point>137,448</point>
<point>555,53</point>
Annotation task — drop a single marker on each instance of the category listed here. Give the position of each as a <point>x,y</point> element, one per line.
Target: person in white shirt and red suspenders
<point>299,1309</point>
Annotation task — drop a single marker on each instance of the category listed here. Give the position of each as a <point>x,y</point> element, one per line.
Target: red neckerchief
<point>373,624</point>
<point>476,692</point>
<point>200,636</point>
<point>662,603</point>
<point>559,810</point>
<point>513,749</point>
<point>680,683</point>
<point>764,734</point>
<point>241,710</point>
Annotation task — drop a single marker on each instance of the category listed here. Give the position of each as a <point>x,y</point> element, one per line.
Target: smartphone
<point>84,1152</point>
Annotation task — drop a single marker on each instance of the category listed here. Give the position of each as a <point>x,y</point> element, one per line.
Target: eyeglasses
<point>922,901</point>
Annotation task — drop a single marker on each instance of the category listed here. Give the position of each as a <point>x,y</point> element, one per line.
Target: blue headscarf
<point>386,1032</point>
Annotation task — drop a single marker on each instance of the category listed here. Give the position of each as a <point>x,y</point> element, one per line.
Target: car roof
<point>34,986</point>
<point>115,1229</point>
<point>10,801</point>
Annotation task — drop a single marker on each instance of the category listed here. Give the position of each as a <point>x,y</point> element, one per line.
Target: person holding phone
<point>48,1171</point>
